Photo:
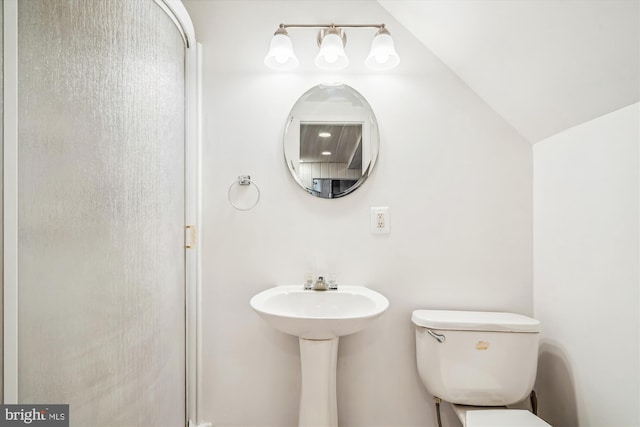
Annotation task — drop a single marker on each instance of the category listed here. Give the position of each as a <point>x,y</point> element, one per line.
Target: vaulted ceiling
<point>543,65</point>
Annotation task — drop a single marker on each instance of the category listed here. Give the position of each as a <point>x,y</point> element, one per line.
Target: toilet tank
<point>476,358</point>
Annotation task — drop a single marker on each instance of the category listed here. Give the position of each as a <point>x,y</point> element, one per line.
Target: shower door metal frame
<point>178,14</point>
<point>10,202</point>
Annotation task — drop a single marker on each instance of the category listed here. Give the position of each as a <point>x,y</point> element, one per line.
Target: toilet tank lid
<point>474,321</point>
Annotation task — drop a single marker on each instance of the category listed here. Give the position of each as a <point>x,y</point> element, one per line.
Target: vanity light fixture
<point>331,56</point>
<point>331,40</point>
<point>281,55</point>
<point>383,54</point>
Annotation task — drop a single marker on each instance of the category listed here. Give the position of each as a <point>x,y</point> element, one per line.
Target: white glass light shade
<point>331,55</point>
<point>281,55</point>
<point>383,54</point>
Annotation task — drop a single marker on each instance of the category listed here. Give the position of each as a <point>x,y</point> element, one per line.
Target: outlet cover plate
<point>380,220</point>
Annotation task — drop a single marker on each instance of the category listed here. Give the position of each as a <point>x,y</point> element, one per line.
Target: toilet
<point>479,362</point>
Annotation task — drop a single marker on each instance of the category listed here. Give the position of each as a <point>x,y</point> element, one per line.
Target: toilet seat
<point>503,418</point>
<point>487,416</point>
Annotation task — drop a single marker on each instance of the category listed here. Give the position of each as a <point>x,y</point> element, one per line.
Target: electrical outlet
<point>380,220</point>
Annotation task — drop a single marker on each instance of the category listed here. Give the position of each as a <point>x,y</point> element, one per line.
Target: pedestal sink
<point>319,319</point>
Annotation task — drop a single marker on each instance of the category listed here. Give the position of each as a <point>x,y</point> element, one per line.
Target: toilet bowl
<point>480,362</point>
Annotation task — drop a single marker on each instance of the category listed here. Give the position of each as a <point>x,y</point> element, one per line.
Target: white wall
<point>457,180</point>
<point>586,263</point>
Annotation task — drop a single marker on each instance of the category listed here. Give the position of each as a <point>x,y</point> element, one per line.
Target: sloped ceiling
<point>543,65</point>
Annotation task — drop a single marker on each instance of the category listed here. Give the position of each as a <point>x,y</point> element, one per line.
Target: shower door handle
<point>190,236</point>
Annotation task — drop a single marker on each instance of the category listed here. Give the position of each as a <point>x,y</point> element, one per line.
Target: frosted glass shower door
<point>101,211</point>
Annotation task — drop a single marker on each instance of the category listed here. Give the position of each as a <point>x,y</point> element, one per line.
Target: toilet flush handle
<point>439,337</point>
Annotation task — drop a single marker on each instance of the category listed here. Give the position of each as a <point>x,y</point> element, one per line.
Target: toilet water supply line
<point>534,402</point>
<point>438,401</point>
<point>532,398</point>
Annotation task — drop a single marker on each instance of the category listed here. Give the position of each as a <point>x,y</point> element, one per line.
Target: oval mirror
<point>331,140</point>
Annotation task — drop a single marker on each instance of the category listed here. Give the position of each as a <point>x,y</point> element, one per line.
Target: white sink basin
<point>319,315</point>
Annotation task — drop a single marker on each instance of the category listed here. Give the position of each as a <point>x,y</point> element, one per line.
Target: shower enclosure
<point>100,202</point>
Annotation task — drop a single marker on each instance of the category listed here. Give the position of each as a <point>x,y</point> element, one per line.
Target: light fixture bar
<point>332,25</point>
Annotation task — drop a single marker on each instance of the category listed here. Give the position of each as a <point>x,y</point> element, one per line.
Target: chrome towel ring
<point>243,180</point>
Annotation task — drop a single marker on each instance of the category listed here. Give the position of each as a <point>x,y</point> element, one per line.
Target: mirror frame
<point>315,106</point>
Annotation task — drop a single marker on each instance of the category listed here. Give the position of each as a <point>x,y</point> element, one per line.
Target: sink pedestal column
<point>318,404</point>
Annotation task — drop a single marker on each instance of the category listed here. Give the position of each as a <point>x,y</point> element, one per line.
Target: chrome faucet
<point>320,285</point>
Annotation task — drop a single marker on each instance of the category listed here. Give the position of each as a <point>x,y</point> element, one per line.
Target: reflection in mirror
<point>330,157</point>
<point>331,141</point>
